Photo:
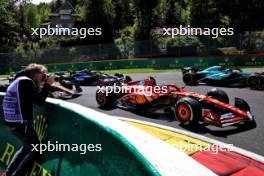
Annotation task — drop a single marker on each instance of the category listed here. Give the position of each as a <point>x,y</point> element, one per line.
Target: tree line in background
<point>125,22</point>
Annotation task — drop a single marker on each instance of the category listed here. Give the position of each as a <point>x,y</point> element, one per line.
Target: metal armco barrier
<point>126,150</point>
<point>163,63</point>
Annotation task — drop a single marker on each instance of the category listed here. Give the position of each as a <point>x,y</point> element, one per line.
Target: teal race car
<point>221,76</point>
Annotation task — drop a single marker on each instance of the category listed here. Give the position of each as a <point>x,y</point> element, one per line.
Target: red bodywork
<point>139,96</point>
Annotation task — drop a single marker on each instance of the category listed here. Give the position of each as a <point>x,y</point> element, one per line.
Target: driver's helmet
<point>127,79</point>
<point>152,81</point>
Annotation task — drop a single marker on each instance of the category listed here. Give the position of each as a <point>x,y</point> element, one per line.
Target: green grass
<point>152,70</point>
<point>251,67</point>
<point>137,70</point>
<point>4,76</point>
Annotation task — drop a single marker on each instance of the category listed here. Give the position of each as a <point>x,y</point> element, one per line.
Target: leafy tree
<point>55,4</point>
<point>73,2</point>
<point>244,15</point>
<point>177,12</point>
<point>32,18</point>
<point>43,11</point>
<point>205,13</point>
<point>21,15</point>
<point>80,9</point>
<point>99,15</point>
<point>8,25</point>
<point>123,14</point>
<point>144,18</point>
<point>172,13</point>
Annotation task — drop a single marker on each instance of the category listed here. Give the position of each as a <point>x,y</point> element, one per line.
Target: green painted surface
<point>55,123</point>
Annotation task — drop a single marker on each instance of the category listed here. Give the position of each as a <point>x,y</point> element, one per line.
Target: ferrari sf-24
<point>189,108</point>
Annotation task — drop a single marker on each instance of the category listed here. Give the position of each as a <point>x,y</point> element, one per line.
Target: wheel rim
<point>188,79</point>
<point>140,99</point>
<point>184,112</point>
<point>253,82</point>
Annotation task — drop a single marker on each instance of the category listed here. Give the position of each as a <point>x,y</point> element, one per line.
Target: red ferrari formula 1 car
<point>189,108</point>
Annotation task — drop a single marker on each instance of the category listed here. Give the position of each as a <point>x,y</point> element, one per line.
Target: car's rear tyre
<point>219,95</point>
<point>254,82</point>
<point>105,100</point>
<point>188,111</point>
<point>189,79</point>
<point>78,88</point>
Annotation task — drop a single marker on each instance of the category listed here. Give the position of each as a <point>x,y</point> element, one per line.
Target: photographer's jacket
<point>21,95</point>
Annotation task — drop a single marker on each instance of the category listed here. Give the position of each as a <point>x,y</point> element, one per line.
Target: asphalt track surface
<point>250,139</point>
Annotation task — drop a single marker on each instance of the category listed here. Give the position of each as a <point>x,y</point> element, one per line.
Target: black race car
<point>89,78</point>
<point>92,78</point>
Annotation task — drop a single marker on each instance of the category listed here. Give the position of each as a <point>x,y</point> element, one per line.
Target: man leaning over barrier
<point>30,87</point>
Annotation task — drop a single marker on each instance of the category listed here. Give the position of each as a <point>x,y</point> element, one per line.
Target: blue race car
<point>220,76</point>
<point>89,78</point>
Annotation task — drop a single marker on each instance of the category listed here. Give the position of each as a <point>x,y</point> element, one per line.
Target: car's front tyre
<point>105,99</point>
<point>189,79</point>
<point>188,111</point>
<point>254,82</point>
